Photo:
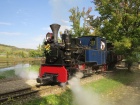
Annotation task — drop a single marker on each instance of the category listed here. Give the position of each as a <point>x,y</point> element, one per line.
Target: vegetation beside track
<point>7,74</point>
<point>109,86</point>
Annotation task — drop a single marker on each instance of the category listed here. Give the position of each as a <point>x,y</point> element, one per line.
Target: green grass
<point>6,74</point>
<point>101,86</point>
<point>60,99</point>
<point>124,77</point>
<point>110,83</point>
<point>104,85</point>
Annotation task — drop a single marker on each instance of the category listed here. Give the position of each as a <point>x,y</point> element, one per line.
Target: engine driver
<point>49,38</point>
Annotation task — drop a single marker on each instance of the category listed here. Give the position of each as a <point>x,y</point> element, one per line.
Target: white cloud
<point>59,9</point>
<point>65,21</point>
<point>5,23</point>
<point>10,33</point>
<point>65,1</point>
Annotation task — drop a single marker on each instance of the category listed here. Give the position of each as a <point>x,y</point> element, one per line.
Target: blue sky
<point>24,23</point>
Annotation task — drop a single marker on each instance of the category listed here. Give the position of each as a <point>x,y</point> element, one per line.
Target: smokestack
<point>55,29</point>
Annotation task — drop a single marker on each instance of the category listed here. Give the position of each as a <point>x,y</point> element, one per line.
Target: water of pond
<point>16,64</point>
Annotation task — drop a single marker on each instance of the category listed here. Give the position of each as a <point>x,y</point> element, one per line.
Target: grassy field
<point>12,51</point>
<point>106,88</point>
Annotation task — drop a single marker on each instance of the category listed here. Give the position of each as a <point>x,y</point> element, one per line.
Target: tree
<point>33,53</point>
<point>75,18</point>
<point>120,23</point>
<point>40,50</point>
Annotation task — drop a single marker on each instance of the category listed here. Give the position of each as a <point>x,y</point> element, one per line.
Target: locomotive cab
<point>96,49</point>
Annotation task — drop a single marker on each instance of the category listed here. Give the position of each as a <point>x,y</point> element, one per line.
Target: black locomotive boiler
<point>85,54</point>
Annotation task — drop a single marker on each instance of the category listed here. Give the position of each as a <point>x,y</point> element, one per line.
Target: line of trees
<point>119,22</point>
<point>13,52</point>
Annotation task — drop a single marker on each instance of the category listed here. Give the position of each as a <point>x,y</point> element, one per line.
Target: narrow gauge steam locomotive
<point>86,54</point>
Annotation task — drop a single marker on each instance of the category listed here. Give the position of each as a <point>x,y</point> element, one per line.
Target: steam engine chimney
<point>55,29</point>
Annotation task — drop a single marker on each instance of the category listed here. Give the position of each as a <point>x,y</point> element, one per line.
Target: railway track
<point>23,94</point>
<point>17,94</point>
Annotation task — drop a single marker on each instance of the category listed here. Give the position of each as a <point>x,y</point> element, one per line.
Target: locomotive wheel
<point>95,68</point>
<point>69,76</point>
<point>71,72</point>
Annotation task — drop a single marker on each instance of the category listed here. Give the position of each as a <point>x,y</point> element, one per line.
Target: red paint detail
<point>82,67</point>
<point>104,67</point>
<point>59,70</point>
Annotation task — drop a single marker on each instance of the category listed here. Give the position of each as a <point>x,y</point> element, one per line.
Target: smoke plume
<point>83,96</point>
<point>22,71</point>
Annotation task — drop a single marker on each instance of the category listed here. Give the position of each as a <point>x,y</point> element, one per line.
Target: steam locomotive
<point>86,54</point>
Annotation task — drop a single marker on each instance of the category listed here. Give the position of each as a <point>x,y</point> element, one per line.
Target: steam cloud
<point>22,71</point>
<point>60,9</point>
<point>83,96</point>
